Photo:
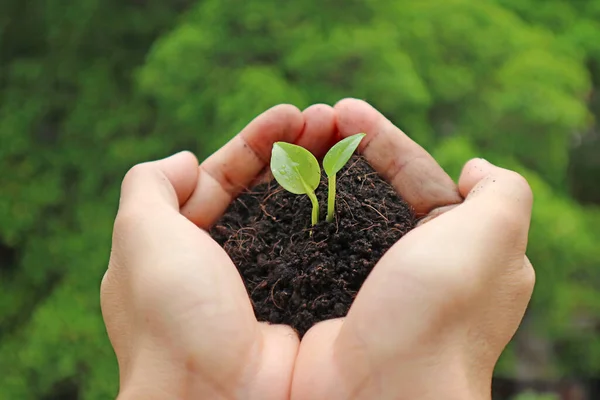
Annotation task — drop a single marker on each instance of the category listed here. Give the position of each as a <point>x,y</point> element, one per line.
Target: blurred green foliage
<point>90,88</point>
<point>535,396</point>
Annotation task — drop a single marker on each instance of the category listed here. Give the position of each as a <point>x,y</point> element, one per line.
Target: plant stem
<point>315,203</point>
<point>315,206</point>
<point>331,199</point>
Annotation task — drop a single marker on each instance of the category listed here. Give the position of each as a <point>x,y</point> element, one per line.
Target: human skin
<point>430,321</point>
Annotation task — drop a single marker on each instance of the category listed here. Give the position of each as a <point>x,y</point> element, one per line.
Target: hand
<point>175,307</point>
<point>438,309</point>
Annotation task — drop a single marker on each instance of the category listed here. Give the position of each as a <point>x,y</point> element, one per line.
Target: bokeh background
<point>90,87</point>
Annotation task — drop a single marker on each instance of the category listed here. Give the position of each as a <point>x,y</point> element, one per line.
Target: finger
<point>147,191</point>
<point>500,198</point>
<point>412,171</point>
<point>157,252</point>
<point>235,166</point>
<point>436,212</point>
<point>279,352</point>
<point>167,182</point>
<point>315,372</point>
<point>319,132</point>
<point>318,136</point>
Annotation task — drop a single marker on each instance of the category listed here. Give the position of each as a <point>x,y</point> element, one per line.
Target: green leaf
<point>295,168</point>
<point>338,155</point>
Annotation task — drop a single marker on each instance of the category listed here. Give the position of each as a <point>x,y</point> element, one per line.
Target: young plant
<point>297,171</point>
<point>334,161</point>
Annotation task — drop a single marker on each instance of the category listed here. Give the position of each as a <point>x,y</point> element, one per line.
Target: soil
<point>299,279</point>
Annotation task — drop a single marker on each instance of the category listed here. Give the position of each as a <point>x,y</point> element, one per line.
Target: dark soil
<point>297,279</point>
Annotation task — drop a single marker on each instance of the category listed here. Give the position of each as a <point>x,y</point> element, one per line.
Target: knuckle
<point>115,276</point>
<point>343,103</point>
<point>347,107</point>
<point>529,277</point>
<point>106,283</point>
<point>520,276</point>
<point>523,287</point>
<point>107,288</point>
<point>286,108</point>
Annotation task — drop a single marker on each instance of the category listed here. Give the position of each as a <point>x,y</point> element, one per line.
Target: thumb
<point>499,199</point>
<point>167,182</point>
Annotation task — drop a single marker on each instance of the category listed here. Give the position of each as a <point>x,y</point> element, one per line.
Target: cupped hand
<point>176,311</point>
<point>429,322</point>
<point>440,306</point>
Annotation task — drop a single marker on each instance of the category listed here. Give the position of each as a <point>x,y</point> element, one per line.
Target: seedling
<point>334,161</point>
<point>297,171</point>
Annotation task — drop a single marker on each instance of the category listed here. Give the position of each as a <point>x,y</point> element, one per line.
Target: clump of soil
<point>297,279</point>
